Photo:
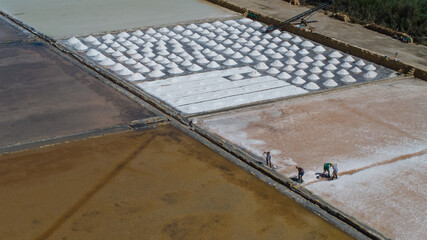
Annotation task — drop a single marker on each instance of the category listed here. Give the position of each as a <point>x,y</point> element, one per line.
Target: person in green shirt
<point>326,167</point>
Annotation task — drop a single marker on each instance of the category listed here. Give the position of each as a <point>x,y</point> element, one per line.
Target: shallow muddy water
<point>63,18</point>
<point>154,184</point>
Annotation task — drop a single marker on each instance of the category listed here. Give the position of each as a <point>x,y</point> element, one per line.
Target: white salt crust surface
<point>391,198</point>
<point>356,128</point>
<point>189,50</point>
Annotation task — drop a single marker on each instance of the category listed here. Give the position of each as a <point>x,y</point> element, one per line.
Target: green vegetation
<point>409,16</point>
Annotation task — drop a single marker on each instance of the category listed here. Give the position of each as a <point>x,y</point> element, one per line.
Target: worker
<point>300,174</point>
<point>268,158</point>
<point>326,167</point>
<point>335,173</point>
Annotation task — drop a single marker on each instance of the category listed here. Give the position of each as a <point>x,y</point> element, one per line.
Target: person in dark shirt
<point>326,167</point>
<point>300,174</point>
<point>268,158</point>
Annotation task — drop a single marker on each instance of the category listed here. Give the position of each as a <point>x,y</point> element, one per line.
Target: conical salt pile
<point>123,35</point>
<point>122,59</point>
<point>269,52</point>
<point>330,83</point>
<point>346,65</point>
<point>228,51</point>
<point>121,40</point>
<point>131,51</point>
<point>335,54</point>
<point>318,64</point>
<point>80,46</point>
<point>285,36</point>
<point>138,33</point>
<point>262,58</point>
<point>203,61</point>
<point>311,86</point>
<point>236,77</point>
<point>219,47</point>
<point>246,59</point>
<point>300,73</point>
<point>319,57</point>
<point>313,77</point>
<point>349,59</point>
<point>302,65</point>
<point>92,53</point>
<point>108,36</point>
<point>277,56</point>
<point>306,59</point>
<point>90,39</point>
<point>107,62</point>
<point>273,71</point>
<point>272,45</point>
<point>343,72</point>
<point>330,67</point>
<point>219,57</point>
<point>254,53</point>
<point>186,63</point>
<point>283,76</point>
<point>261,66</point>
<point>156,73</point>
<point>99,57</point>
<point>289,68</point>
<point>137,66</point>
<point>348,79</point>
<point>230,62</point>
<point>370,74</point>
<point>290,53</point>
<point>334,61</point>
<point>303,52</point>
<point>110,51</point>
<point>254,74</point>
<point>195,68</point>
<point>294,48</point>
<point>256,25</point>
<point>130,61</point>
<point>103,47</point>
<point>277,64</point>
<point>175,70</point>
<point>213,64</point>
<point>117,67</point>
<point>316,70</point>
<point>258,48</point>
<point>136,77</point>
<point>291,61</point>
<point>150,31</point>
<point>298,81</point>
<point>319,49</point>
<point>296,40</point>
<point>356,70</point>
<point>360,63</point>
<point>237,55</point>
<point>328,74</point>
<point>137,57</point>
<point>144,69</point>
<point>370,67</point>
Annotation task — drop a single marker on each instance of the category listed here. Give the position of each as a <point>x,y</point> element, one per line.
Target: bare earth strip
<point>359,128</point>
<point>154,184</point>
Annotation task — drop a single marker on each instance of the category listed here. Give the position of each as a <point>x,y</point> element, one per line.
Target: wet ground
<point>44,95</point>
<point>159,184</point>
<point>59,19</point>
<point>9,33</point>
<point>357,128</point>
<point>351,33</point>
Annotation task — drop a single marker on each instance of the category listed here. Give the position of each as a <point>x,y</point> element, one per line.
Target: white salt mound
<point>236,77</point>
<point>286,36</point>
<point>156,73</point>
<point>298,81</point>
<point>273,71</point>
<point>319,49</point>
<point>346,65</point>
<point>117,67</point>
<point>356,70</point>
<point>254,74</point>
<point>230,62</point>
<point>311,86</point>
<point>349,59</point>
<point>261,66</point>
<point>92,53</point>
<point>335,54</point>
<point>343,72</point>
<point>370,67</point>
<point>175,70</point>
<point>306,59</point>
<point>80,46</point>
<point>300,73</point>
<point>291,61</point>
<point>213,64</point>
<point>348,79</point>
<point>330,83</point>
<point>262,58</point>
<point>328,74</point>
<point>277,64</point>
<point>277,56</point>
<point>246,59</point>
<point>316,70</point>
<point>360,63</point>
<point>195,68</point>
<point>319,57</point>
<point>99,57</point>
<point>330,67</point>
<point>318,64</point>
<point>289,68</point>
<point>283,76</point>
<point>90,39</point>
<point>125,72</point>
<point>307,44</point>
<point>108,36</point>
<point>107,62</point>
<point>370,74</point>
<point>136,77</point>
<point>313,77</point>
<point>302,65</point>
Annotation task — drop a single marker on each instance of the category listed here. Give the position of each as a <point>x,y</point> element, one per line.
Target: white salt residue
<point>382,196</point>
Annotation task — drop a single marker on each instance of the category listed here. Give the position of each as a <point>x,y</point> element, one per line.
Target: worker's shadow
<point>295,179</point>
<point>320,175</point>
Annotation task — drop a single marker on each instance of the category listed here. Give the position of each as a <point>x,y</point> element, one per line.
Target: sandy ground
<point>155,184</point>
<point>357,128</point>
<point>351,33</point>
<point>9,33</point>
<point>43,95</point>
<point>59,19</point>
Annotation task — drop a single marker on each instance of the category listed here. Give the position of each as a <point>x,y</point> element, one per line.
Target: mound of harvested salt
<point>330,83</point>
<point>298,81</point>
<point>311,86</point>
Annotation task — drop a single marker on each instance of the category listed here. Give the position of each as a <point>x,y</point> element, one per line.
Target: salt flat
<point>362,128</point>
<point>256,66</point>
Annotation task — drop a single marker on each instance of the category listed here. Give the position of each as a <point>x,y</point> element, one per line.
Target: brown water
<point>154,184</point>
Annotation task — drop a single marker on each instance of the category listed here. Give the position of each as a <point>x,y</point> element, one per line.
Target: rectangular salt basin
<point>356,128</point>
<point>60,19</point>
